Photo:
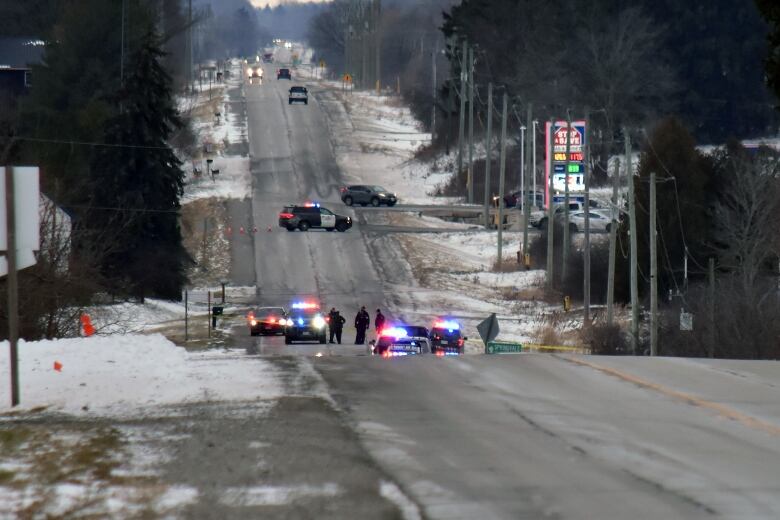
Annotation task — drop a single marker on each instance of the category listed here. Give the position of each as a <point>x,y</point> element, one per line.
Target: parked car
<point>599,221</point>
<point>539,217</point>
<point>364,195</point>
<point>312,216</point>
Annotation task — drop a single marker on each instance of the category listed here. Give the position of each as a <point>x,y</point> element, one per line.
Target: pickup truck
<point>299,95</point>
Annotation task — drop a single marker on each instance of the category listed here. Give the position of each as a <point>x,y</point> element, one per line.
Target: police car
<point>446,338</point>
<point>394,342</point>
<point>312,216</point>
<point>304,322</point>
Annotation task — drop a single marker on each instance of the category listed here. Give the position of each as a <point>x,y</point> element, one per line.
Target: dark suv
<point>283,74</point>
<point>312,216</point>
<point>364,195</point>
<point>446,337</point>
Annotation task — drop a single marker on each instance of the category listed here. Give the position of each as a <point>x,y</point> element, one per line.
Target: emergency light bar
<point>449,325</point>
<point>394,332</point>
<point>312,205</point>
<point>305,305</point>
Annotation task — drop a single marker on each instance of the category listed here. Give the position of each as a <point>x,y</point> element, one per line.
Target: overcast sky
<point>272,3</point>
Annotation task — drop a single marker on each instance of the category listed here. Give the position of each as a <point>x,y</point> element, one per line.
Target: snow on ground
<point>130,375</point>
<point>221,132</point>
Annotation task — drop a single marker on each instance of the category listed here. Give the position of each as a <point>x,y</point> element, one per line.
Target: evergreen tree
<point>139,182</point>
<point>770,9</point>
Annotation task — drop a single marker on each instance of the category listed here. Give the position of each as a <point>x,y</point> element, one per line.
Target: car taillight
<point>343,189</point>
<point>460,342</point>
<point>286,215</point>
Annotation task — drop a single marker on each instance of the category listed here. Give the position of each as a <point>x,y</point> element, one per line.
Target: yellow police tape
<point>555,348</point>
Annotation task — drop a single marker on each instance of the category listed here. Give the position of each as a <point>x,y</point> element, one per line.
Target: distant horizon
<point>274,3</point>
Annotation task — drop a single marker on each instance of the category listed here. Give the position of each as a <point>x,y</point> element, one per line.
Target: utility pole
<point>378,50</point>
<point>433,94</point>
<point>190,86</point>
<point>488,155</point>
<point>462,125</point>
<point>122,50</point>
<point>633,259</point>
<point>13,283</point>
<point>710,308</point>
<point>613,244</point>
<point>471,127</point>
<point>533,147</point>
<point>502,172</point>
<point>586,252</point>
<point>566,231</point>
<point>526,195</point>
<point>550,209</point>
<point>521,184</point>
<point>653,271</point>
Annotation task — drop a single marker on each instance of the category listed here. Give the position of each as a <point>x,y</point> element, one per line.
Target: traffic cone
<point>241,230</point>
<point>58,366</point>
<point>86,325</point>
<point>269,229</point>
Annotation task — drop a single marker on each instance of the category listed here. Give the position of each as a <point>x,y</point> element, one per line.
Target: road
<point>525,436</point>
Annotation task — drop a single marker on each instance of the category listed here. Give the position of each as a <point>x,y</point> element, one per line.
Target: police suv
<point>312,216</point>
<point>304,322</point>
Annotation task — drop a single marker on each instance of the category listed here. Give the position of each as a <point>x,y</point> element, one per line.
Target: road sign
<point>563,140</point>
<point>322,64</point>
<point>503,347</point>
<point>27,216</point>
<point>347,78</point>
<point>488,329</point>
<point>686,321</point>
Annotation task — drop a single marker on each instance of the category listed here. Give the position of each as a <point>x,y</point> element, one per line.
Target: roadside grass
<point>203,225</point>
<point>83,456</point>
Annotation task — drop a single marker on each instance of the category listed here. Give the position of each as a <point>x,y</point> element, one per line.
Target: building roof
<point>20,53</point>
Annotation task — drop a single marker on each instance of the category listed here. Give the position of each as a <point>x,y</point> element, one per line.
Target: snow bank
<point>119,375</point>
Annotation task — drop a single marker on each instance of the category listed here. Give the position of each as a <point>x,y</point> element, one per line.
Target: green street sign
<point>503,347</point>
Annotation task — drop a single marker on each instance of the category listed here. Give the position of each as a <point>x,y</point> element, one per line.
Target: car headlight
<point>382,195</point>
<point>248,72</point>
<point>253,322</point>
<point>288,322</point>
<point>318,322</point>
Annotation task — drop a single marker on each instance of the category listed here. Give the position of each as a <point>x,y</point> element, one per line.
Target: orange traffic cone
<point>58,366</point>
<point>86,325</point>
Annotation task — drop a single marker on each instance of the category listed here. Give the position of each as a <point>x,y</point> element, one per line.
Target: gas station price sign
<point>574,164</point>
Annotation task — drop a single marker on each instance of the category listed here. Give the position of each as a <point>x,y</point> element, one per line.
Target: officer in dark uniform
<point>362,321</point>
<point>337,322</point>
<point>331,320</point>
<point>379,321</point>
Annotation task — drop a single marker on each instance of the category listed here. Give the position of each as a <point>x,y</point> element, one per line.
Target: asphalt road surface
<point>524,436</point>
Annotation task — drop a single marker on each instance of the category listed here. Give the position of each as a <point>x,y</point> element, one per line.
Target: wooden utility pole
<point>488,155</point>
<point>550,209</point>
<point>711,308</point>
<point>13,283</point>
<point>471,128</point>
<point>586,249</point>
<point>378,49</point>
<point>433,93</point>
<point>462,124</point>
<point>502,174</point>
<point>566,230</point>
<point>633,258</point>
<point>527,197</point>
<point>613,244</point>
<point>653,271</point>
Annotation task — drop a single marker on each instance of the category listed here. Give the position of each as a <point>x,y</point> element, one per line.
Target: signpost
<point>503,347</point>
<point>575,162</point>
<point>488,329</point>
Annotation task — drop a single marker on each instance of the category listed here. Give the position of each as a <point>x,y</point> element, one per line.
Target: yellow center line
<point>723,410</point>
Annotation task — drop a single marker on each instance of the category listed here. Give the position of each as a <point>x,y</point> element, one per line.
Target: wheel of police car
<point>348,200</point>
<point>287,341</point>
<point>290,228</point>
<point>303,226</point>
<point>375,201</point>
<point>340,227</point>
<point>330,229</point>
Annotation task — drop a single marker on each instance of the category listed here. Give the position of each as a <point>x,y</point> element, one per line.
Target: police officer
<point>337,322</point>
<point>331,320</point>
<point>362,321</point>
<point>379,321</point>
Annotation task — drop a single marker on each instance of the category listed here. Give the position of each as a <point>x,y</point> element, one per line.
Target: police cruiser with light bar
<point>312,216</point>
<point>304,322</point>
<point>395,342</point>
<point>446,338</point>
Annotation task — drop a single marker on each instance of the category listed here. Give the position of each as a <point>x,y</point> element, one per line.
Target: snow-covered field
<point>131,375</point>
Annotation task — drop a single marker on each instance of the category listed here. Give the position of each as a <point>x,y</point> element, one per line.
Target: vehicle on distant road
<point>305,322</point>
<point>268,57</point>
<point>364,195</point>
<point>446,338</point>
<point>299,94</point>
<point>515,199</point>
<point>254,73</point>
<point>267,320</point>
<point>539,217</point>
<point>283,74</point>
<point>312,216</point>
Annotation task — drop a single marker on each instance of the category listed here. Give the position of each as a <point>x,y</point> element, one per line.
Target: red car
<point>267,320</point>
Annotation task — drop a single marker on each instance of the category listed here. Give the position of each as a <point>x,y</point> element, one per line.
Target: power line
<point>87,143</point>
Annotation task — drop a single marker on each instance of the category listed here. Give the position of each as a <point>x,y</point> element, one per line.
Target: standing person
<point>362,321</point>
<point>337,322</point>
<point>379,321</point>
<point>331,320</point>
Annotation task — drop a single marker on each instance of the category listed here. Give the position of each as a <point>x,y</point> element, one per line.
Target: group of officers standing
<point>362,322</point>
